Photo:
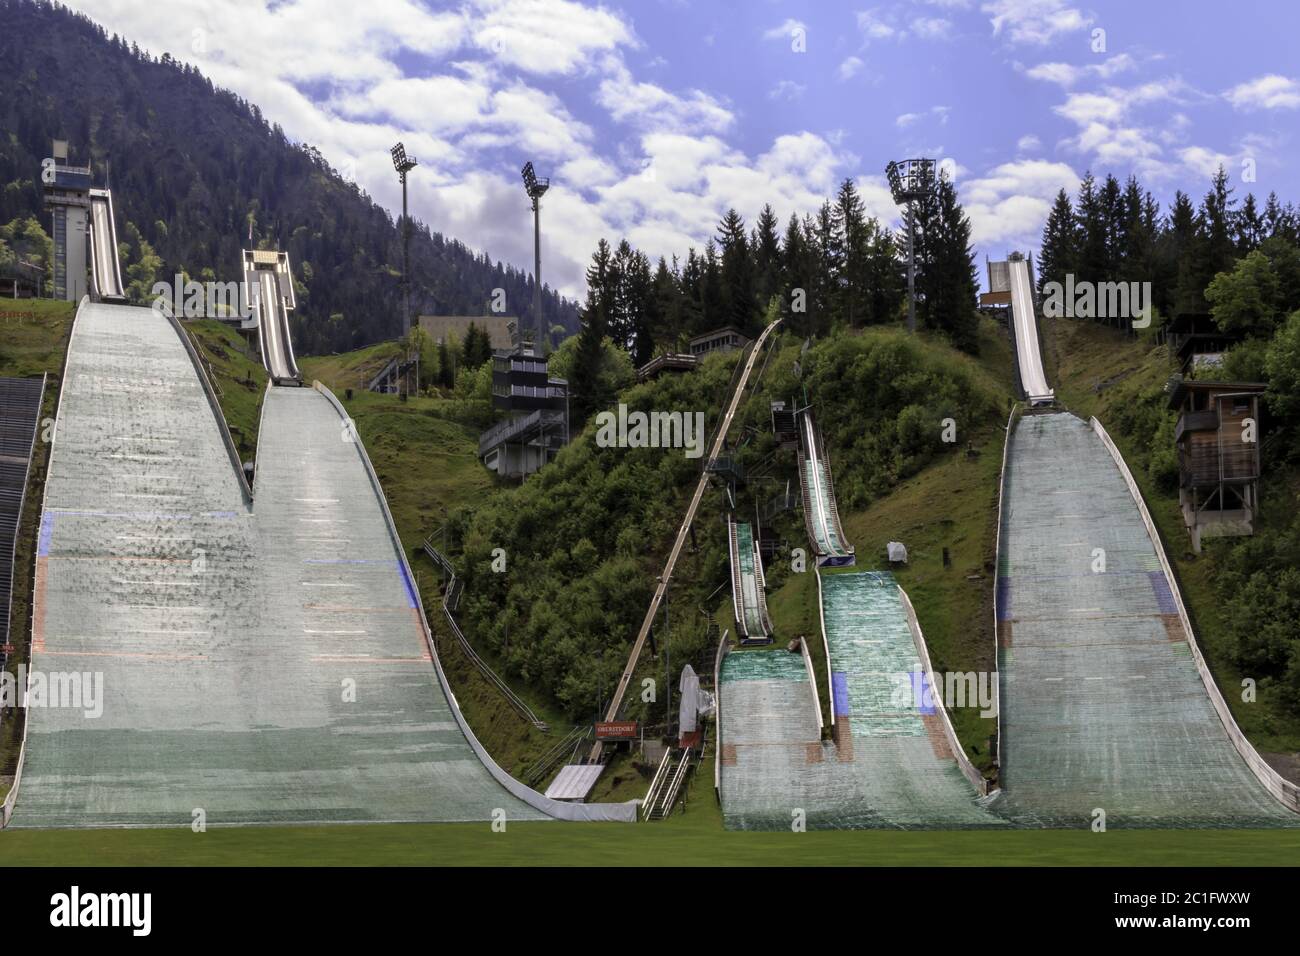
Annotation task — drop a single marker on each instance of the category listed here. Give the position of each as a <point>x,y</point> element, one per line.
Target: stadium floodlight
<point>404,164</point>
<point>910,180</point>
<point>400,161</point>
<point>536,188</point>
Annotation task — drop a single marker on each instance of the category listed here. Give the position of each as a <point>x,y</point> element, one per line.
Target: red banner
<point>616,730</point>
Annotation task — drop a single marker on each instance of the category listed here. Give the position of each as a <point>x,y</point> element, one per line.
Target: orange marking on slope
<point>156,657</point>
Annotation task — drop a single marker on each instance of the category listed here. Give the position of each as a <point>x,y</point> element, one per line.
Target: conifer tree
<point>1060,245</point>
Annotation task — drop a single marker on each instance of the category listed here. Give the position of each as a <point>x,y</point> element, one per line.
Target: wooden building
<point>725,339</point>
<point>1217,437</point>
<point>667,362</point>
<point>1196,343</point>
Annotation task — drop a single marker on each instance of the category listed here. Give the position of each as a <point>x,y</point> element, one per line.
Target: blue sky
<point>654,116</point>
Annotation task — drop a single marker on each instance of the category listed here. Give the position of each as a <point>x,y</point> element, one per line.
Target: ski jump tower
<point>84,232</point>
<point>67,195</point>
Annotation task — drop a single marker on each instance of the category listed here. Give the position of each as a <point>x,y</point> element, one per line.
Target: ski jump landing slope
<point>1025,327</point>
<point>261,664</point>
<point>892,764</point>
<point>1102,703</point>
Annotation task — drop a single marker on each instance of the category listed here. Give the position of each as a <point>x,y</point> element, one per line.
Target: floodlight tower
<point>404,164</point>
<point>909,180</point>
<point>536,188</point>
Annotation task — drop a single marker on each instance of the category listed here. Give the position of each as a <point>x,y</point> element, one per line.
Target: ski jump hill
<point>261,653</point>
<point>1107,704</point>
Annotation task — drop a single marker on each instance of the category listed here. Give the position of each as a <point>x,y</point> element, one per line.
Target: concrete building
<point>500,328</point>
<point>536,425</point>
<point>67,196</point>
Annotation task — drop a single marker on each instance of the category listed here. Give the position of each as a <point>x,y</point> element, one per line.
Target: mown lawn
<point>690,840</point>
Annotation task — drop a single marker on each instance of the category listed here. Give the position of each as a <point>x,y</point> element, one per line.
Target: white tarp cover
<point>897,551</point>
<point>574,782</point>
<point>689,708</point>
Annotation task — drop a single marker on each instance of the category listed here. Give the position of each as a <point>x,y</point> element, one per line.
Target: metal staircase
<point>667,784</point>
<point>450,601</point>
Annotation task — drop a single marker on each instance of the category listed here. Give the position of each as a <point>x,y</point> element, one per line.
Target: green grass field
<point>688,841</point>
<point>239,378</point>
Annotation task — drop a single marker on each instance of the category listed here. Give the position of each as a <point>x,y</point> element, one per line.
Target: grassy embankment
<point>35,341</point>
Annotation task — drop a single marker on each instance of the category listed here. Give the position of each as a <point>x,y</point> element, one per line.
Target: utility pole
<point>668,668</point>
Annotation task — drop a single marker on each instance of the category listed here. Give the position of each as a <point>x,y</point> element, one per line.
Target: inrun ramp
<point>268,283</point>
<point>273,331</point>
<point>259,666</point>
<point>745,369</point>
<point>747,594</point>
<point>106,269</point>
<point>891,765</point>
<point>1024,326</point>
<point>821,515</point>
<point>1102,704</point>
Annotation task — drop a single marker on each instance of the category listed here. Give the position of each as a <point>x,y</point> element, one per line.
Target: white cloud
<point>932,28</point>
<point>907,119</point>
<point>1269,92</point>
<point>1010,203</point>
<point>880,23</point>
<point>1029,143</point>
<point>1115,146</point>
<point>1088,108</point>
<point>1066,74</point>
<point>651,106</point>
<point>850,67</point>
<point>786,90</point>
<point>1203,161</point>
<point>1108,129</point>
<point>873,27</point>
<point>547,36</point>
<point>1034,21</point>
<point>787,30</point>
